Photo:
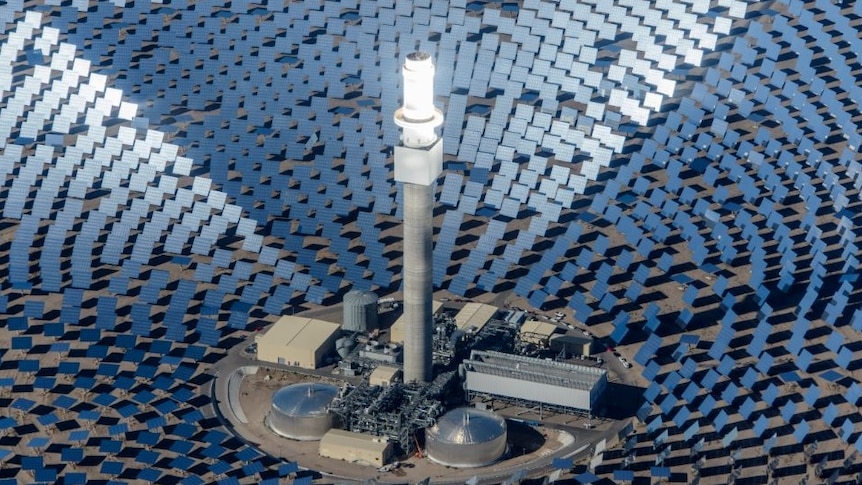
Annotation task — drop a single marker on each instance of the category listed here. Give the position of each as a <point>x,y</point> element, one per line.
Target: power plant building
<point>473,317</point>
<point>396,331</point>
<point>537,333</point>
<point>519,378</point>
<point>574,344</point>
<point>297,341</point>
<point>384,375</point>
<point>358,448</point>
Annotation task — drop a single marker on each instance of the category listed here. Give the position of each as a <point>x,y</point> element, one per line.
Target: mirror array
<point>106,384</point>
<point>266,176</point>
<point>760,165</point>
<point>535,105</point>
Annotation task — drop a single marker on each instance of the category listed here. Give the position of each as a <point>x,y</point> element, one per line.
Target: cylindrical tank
<point>301,411</point>
<point>466,437</point>
<point>360,311</point>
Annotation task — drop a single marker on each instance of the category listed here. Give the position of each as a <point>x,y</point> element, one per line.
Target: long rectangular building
<point>541,381</point>
<point>359,448</point>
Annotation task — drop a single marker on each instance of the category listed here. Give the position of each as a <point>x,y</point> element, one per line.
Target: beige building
<point>572,343</point>
<point>537,333</point>
<point>396,331</point>
<point>356,447</point>
<point>474,316</point>
<point>384,375</point>
<point>297,341</point>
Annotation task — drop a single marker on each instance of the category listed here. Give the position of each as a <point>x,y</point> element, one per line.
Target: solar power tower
<point>418,163</point>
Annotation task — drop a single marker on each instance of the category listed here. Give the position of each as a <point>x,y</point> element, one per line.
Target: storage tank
<point>360,311</point>
<point>344,346</point>
<point>301,411</point>
<point>466,437</point>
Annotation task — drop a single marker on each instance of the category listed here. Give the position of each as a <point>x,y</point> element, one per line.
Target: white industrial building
<point>527,379</point>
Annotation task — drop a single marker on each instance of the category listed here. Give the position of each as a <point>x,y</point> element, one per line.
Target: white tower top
<point>419,157</point>
<point>417,116</point>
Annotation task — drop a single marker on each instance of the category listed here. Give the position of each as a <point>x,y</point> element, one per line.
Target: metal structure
<point>301,411</point>
<point>379,352</point>
<point>397,411</point>
<point>549,383</point>
<point>344,346</point>
<point>496,335</point>
<point>447,341</point>
<point>359,311</point>
<point>466,437</point>
<point>418,163</point>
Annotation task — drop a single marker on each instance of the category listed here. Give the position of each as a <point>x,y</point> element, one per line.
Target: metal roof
<point>468,425</point>
<point>384,373</point>
<point>534,370</point>
<point>304,332</point>
<point>572,338</point>
<point>304,399</point>
<point>539,328</point>
<point>360,297</point>
<point>474,315</point>
<point>352,439</point>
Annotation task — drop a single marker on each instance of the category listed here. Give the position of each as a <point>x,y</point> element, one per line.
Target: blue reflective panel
<point>770,394</point>
<point>853,394</point>
<point>720,421</point>
<point>727,364</point>
<point>801,430</point>
<point>788,411</point>
<point>830,414</point>
<point>652,392</point>
<point>844,358</point>
<point>761,425</point>
<point>804,360</point>
<point>764,362</point>
<point>648,350</point>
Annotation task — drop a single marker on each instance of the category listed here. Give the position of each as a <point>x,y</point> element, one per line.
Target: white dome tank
<point>301,411</point>
<point>466,437</point>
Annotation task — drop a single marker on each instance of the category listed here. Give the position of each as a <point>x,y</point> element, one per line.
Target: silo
<point>301,411</point>
<point>466,437</point>
<point>360,311</point>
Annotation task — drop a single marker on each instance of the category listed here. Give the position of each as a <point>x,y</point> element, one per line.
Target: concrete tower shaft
<point>418,163</point>
<point>417,275</point>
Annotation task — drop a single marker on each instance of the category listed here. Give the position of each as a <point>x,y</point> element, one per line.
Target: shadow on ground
<point>621,401</point>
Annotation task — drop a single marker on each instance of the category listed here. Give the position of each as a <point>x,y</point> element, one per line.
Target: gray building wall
<point>534,391</point>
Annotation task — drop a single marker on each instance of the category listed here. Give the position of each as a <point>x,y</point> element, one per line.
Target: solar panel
<point>800,431</point>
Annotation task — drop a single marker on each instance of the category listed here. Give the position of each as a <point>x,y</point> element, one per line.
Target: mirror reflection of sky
<point>604,155</point>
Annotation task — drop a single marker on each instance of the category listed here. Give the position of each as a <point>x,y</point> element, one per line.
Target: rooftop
<point>534,370</point>
<point>474,315</point>
<point>305,332</point>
